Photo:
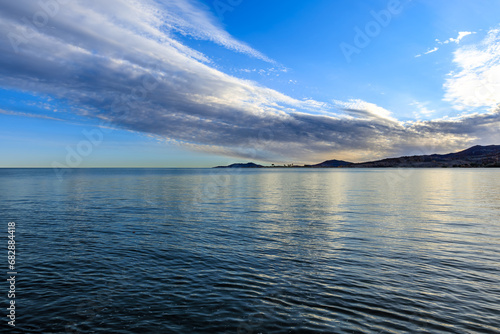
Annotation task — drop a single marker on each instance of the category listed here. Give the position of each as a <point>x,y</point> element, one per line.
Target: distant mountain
<point>247,165</point>
<point>477,156</point>
<point>330,164</point>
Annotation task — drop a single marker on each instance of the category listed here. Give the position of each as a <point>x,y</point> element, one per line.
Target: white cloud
<point>187,17</point>
<point>457,40</point>
<point>427,52</point>
<point>363,109</point>
<point>422,110</point>
<point>476,83</point>
<point>432,50</point>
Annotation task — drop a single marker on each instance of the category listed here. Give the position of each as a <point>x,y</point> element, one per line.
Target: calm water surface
<point>255,251</point>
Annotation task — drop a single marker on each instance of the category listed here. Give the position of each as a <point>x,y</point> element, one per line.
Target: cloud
<point>123,62</point>
<point>31,115</point>
<point>423,111</point>
<point>457,40</point>
<point>189,18</point>
<point>432,50</point>
<point>365,110</point>
<point>476,83</point>
<point>427,52</point>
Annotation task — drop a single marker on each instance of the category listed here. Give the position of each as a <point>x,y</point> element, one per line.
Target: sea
<point>274,250</point>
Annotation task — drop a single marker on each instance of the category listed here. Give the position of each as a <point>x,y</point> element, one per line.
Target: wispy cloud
<point>30,115</point>
<point>476,83</point>
<point>432,50</point>
<point>457,40</point>
<point>190,18</point>
<point>122,61</point>
<point>422,110</point>
<point>427,52</point>
<point>365,110</point>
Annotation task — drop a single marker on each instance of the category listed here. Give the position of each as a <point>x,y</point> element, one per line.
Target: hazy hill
<point>330,164</point>
<point>239,165</point>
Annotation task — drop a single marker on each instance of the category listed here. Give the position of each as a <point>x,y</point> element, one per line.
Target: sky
<point>187,83</point>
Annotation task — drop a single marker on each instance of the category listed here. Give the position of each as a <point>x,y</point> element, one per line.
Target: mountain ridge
<point>242,165</point>
<point>475,156</point>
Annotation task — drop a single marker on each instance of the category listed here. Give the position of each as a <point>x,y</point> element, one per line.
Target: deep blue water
<point>254,251</point>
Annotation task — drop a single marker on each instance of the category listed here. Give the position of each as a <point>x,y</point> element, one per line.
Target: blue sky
<point>184,83</point>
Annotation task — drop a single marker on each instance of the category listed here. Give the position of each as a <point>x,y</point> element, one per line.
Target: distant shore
<point>473,157</point>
